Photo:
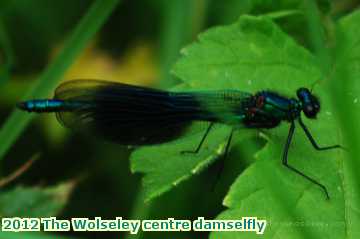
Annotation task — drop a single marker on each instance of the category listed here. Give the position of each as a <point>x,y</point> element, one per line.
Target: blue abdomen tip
<point>45,105</point>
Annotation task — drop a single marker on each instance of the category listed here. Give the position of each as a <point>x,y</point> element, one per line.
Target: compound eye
<point>309,108</point>
<point>310,111</point>
<point>317,107</point>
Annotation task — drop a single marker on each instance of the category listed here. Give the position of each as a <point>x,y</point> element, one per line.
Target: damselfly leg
<point>226,152</point>
<point>312,140</point>
<point>285,161</point>
<point>222,162</point>
<point>201,141</point>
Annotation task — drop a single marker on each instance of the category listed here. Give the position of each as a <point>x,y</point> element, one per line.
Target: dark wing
<point>129,115</point>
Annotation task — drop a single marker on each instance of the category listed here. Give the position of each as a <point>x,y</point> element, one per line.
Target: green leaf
<point>346,94</point>
<point>35,201</point>
<point>239,56</point>
<point>165,166</point>
<point>255,192</point>
<point>251,55</point>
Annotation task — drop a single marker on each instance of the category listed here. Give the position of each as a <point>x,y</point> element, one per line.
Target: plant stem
<point>87,27</point>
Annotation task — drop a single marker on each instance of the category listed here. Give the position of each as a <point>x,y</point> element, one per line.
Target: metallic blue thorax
<point>279,106</point>
<point>267,109</point>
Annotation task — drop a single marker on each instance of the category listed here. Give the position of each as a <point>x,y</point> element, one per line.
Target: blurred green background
<point>135,42</point>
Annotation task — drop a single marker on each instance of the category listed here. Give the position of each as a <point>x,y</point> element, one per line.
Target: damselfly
<point>134,115</point>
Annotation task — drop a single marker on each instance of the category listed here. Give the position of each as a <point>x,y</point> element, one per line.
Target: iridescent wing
<point>134,115</point>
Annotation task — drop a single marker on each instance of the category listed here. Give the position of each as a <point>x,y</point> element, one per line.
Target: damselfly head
<point>309,102</point>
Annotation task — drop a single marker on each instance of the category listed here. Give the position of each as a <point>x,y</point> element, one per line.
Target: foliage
<point>254,54</point>
<point>267,48</point>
